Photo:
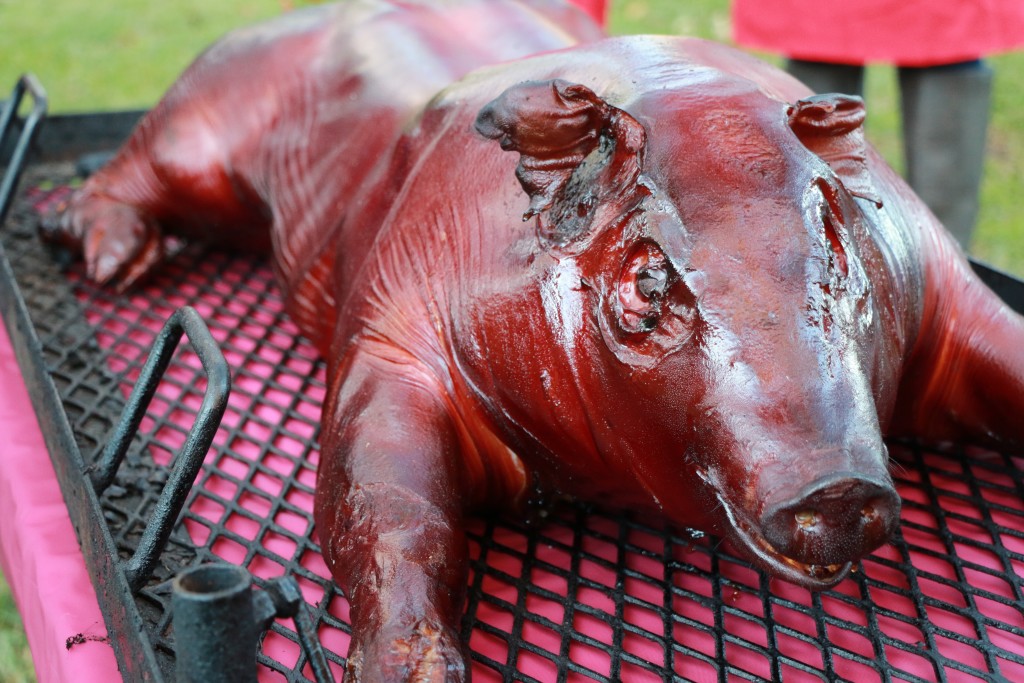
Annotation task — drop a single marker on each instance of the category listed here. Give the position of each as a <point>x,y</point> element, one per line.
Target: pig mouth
<point>744,535</point>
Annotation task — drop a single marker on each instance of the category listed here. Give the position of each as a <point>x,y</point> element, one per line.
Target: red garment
<point>595,8</point>
<point>903,32</point>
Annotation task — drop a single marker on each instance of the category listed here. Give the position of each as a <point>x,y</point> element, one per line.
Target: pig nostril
<point>831,521</point>
<point>806,519</point>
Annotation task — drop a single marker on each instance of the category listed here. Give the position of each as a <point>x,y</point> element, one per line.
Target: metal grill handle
<point>27,83</point>
<point>190,458</point>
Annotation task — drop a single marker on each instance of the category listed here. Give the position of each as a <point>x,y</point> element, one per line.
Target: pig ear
<point>832,126</point>
<point>556,126</point>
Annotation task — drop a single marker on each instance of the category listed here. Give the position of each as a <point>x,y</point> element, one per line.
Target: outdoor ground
<point>101,56</point>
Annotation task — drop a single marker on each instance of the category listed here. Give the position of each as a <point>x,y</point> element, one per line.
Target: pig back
<point>322,160</point>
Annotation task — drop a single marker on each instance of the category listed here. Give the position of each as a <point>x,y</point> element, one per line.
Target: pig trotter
<point>390,519</point>
<point>119,244</point>
<point>405,585</point>
<point>422,652</point>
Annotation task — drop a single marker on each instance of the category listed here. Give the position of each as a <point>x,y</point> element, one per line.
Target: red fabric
<point>904,32</point>
<point>598,9</point>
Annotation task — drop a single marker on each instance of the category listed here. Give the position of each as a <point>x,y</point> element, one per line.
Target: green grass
<point>15,659</point>
<point>1000,238</point>
<point>113,55</point>
<point>102,56</point>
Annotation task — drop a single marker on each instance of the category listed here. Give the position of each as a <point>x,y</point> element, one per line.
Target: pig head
<point>705,326</point>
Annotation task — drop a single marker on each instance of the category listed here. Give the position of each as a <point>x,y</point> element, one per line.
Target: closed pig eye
<point>833,223</point>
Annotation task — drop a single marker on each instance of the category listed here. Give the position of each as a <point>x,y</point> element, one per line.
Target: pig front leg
<point>389,513</point>
<point>965,379</point>
<point>177,173</point>
<point>118,241</point>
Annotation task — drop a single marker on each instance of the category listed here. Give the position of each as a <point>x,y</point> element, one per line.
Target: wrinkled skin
<point>647,271</point>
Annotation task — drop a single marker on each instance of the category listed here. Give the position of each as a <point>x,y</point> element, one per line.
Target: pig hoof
<point>427,653</point>
<point>117,242</point>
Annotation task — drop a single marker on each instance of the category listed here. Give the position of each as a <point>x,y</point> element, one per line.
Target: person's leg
<point>823,77</point>
<point>945,121</point>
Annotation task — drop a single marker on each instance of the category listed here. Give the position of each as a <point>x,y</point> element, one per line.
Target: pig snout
<point>834,519</point>
<point>808,515</point>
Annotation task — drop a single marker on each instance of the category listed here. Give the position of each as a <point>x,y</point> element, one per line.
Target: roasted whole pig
<point>649,271</point>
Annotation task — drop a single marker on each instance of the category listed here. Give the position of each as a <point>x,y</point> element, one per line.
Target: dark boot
<point>822,77</point>
<point>945,121</point>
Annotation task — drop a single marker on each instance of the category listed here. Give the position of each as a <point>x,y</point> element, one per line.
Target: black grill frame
<point>79,346</point>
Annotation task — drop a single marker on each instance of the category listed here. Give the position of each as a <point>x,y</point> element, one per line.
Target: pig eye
<point>643,283</point>
<point>831,215</point>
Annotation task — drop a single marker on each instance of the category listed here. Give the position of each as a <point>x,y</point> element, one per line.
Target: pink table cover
<point>39,552</point>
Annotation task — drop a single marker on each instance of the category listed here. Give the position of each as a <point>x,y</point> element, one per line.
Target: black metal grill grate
<point>585,595</point>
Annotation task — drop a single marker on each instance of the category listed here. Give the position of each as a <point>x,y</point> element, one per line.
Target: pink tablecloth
<point>39,552</point>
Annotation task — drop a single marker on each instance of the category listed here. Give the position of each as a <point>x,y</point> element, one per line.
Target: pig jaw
<point>766,557</point>
<point>809,523</point>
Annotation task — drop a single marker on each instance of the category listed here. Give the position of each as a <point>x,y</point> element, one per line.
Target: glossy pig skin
<point>648,271</point>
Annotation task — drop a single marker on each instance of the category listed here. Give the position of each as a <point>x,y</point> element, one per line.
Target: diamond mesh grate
<point>583,595</point>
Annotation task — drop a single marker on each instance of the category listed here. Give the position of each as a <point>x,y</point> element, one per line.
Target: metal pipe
<point>8,114</point>
<point>215,629</point>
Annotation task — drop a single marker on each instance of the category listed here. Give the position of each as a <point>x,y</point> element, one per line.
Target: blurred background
<point>94,56</point>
